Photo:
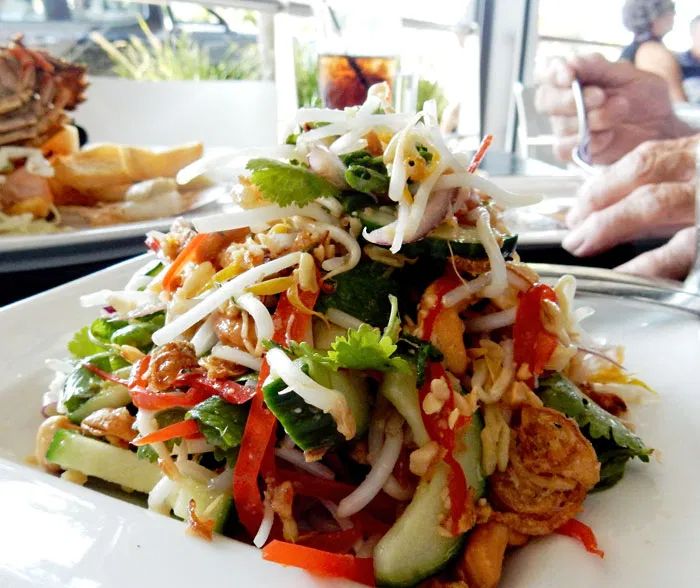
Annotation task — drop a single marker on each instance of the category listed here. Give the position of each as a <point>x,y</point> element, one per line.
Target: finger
<point>644,211</point>
<point>559,73</point>
<point>563,126</point>
<point>650,163</point>
<point>673,260</point>
<point>553,100</point>
<point>609,114</point>
<point>597,144</point>
<point>595,69</point>
<point>563,147</point>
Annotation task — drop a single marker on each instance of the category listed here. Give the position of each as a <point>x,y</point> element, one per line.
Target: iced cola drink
<point>344,79</point>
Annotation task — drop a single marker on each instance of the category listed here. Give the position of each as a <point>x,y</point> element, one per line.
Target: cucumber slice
<point>413,548</point>
<point>468,455</point>
<point>111,396</point>
<point>309,427</point>
<point>400,389</point>
<point>464,241</point>
<point>209,504</point>
<point>71,451</point>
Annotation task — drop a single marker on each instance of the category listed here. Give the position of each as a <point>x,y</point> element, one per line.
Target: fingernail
<point>594,97</point>
<point>573,241</point>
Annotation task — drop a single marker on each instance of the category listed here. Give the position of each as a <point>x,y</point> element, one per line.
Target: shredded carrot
<point>189,253</point>
<point>185,429</point>
<point>480,153</point>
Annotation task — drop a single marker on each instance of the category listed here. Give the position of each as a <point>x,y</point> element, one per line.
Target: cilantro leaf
<point>613,441</point>
<point>220,422</point>
<point>82,346</point>
<point>366,348</point>
<point>286,184</point>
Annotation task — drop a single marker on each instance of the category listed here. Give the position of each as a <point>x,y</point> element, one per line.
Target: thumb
<point>672,260</point>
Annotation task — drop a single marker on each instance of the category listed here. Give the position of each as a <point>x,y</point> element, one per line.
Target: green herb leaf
<point>613,441</point>
<point>220,422</point>
<point>148,453</point>
<point>424,152</point>
<point>366,348</point>
<point>366,173</point>
<point>287,184</point>
<point>82,346</point>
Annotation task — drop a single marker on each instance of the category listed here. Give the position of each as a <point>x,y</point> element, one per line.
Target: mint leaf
<point>614,443</point>
<point>286,184</point>
<point>221,423</point>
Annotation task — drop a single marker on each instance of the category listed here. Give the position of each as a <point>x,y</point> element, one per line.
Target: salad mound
<point>352,370</point>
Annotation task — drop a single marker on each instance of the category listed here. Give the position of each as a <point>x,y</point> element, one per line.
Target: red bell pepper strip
<point>187,429</point>
<point>256,451</point>
<point>439,431</point>
<point>188,253</point>
<point>321,563</point>
<point>444,284</point>
<point>138,372</point>
<point>335,541</point>
<point>104,375</point>
<point>533,345</point>
<point>147,400</point>
<point>583,533</point>
<point>231,392</point>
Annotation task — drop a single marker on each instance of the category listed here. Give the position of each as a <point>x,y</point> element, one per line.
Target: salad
<point>352,370</point>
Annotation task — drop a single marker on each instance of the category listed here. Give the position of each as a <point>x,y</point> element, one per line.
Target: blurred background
<point>478,59</point>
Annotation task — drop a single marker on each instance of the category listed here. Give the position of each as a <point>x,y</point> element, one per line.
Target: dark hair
<point>639,15</point>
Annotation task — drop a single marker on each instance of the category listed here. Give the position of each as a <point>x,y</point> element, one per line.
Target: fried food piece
<point>114,424</point>
<point>482,560</point>
<point>24,192</point>
<point>551,468</point>
<point>105,165</point>
<point>64,142</point>
<point>168,362</point>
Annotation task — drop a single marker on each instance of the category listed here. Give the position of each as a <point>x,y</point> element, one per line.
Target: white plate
<point>540,225</point>
<point>55,534</point>
<point>90,244</point>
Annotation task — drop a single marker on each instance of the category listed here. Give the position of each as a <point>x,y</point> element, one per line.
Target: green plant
<point>177,57</point>
<point>428,90</point>
<point>306,73</point>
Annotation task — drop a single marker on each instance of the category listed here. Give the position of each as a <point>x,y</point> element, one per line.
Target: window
<point>22,10</point>
<point>187,13</point>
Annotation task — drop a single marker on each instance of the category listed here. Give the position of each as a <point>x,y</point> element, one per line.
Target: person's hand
<point>625,106</point>
<point>650,190</point>
<point>672,260</point>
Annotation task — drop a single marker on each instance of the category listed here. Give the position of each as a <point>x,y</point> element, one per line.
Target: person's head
<point>648,17</point>
<point>695,33</point>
